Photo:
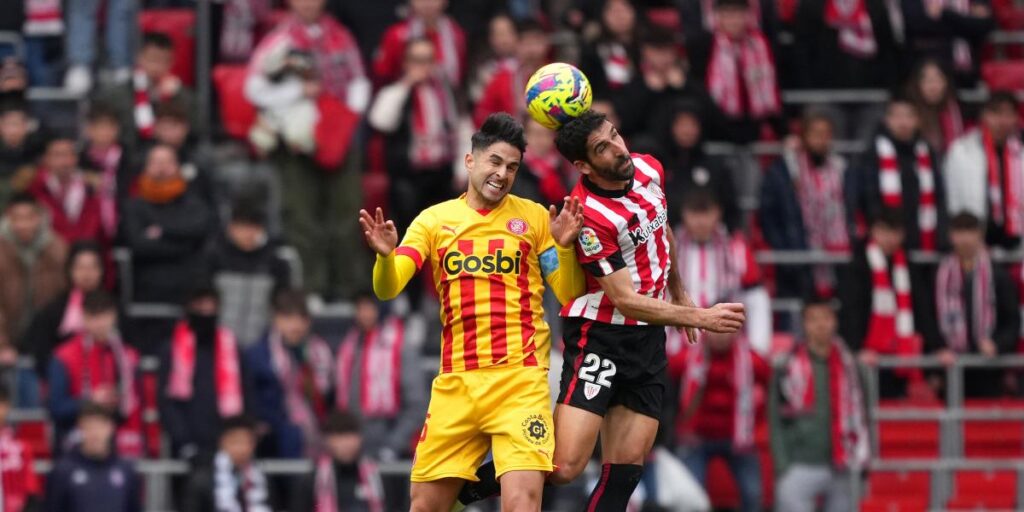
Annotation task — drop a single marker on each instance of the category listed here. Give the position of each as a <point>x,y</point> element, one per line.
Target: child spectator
<point>233,482</point>
<point>22,490</point>
<point>60,185</point>
<point>343,477</point>
<point>426,19</point>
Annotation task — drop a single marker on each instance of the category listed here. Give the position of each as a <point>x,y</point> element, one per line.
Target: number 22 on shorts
<point>596,373</point>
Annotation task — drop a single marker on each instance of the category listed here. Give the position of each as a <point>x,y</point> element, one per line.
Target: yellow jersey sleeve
<point>558,264</point>
<point>392,272</point>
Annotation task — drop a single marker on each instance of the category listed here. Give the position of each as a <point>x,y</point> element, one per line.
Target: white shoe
<point>78,80</point>
<point>121,76</point>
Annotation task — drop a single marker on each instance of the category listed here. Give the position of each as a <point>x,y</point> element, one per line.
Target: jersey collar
<point>596,190</point>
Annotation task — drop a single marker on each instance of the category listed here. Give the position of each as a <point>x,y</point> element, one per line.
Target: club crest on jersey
<point>589,242</point>
<point>590,390</point>
<point>641,234</point>
<point>516,226</point>
<point>535,429</point>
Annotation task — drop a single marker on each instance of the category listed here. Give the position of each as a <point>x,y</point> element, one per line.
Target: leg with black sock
<point>487,487</point>
<point>617,483</point>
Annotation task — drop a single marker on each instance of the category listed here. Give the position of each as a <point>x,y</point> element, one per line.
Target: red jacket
<point>19,480</point>
<point>504,93</point>
<point>387,63</point>
<point>88,224</point>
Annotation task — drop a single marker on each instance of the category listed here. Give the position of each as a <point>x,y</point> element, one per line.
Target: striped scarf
<point>227,375</point>
<point>43,18</point>
<point>107,160</point>
<point>849,432</point>
<point>695,382</point>
<point>820,192</point>
<point>71,322</point>
<point>744,66</point>
<point>145,119</point>
<point>238,489</point>
<point>433,123</point>
<point>618,67</point>
<point>71,195</point>
<point>305,387</point>
<point>892,186</point>
<point>712,271</point>
<point>891,327</point>
<point>852,22</point>
<point>381,370</point>
<point>949,289</point>
<point>445,44</point>
<point>326,491</point>
<point>1003,194</point>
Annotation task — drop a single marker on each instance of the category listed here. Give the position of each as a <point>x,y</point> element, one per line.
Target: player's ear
<point>469,161</point>
<point>582,166</point>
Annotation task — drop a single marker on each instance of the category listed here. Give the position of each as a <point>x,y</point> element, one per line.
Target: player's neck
<point>609,185</point>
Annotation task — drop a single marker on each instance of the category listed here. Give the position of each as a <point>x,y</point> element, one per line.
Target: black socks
<point>488,485</point>
<point>617,483</point>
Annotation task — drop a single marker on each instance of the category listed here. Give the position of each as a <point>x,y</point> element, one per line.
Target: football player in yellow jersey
<point>489,253</point>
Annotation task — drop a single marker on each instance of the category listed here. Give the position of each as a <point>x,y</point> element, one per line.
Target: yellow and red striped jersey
<point>487,268</point>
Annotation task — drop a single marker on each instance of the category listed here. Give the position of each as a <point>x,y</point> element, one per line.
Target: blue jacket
<point>81,484</point>
<point>782,221</point>
<point>265,398</point>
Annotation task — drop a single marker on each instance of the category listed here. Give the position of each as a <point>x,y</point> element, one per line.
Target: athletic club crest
<point>590,390</point>
<point>516,226</point>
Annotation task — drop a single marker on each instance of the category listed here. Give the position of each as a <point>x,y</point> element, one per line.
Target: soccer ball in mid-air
<point>557,93</point>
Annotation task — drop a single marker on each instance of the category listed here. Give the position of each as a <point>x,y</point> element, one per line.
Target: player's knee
<point>521,500</point>
<point>567,469</point>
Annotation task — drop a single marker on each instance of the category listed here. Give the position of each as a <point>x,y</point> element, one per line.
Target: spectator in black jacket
<point>612,59</point>
<point>977,305</point>
<point>342,478</point>
<point>245,266</point>
<point>173,127</point>
<point>200,380</point>
<point>92,477</point>
<point>21,143</point>
<point>232,482</point>
<point>950,31</point>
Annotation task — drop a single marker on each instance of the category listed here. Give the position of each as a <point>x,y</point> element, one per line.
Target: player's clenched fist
<point>381,235</point>
<point>723,318</point>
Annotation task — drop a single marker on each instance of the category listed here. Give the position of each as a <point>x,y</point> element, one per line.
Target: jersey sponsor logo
<point>455,263</point>
<point>517,226</point>
<point>589,242</point>
<point>535,429</point>
<point>590,390</point>
<point>641,234</point>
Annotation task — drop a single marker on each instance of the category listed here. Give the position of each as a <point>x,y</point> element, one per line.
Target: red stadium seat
<point>35,435</point>
<point>179,25</point>
<point>897,491</point>
<point>977,490</point>
<point>1004,75</point>
<point>894,504</point>
<point>236,113</point>
<point>994,439</point>
<point>908,439</point>
<point>666,17</point>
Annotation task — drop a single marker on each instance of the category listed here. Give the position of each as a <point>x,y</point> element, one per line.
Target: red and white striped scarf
<point>711,21</point>
<point>43,18</point>
<point>337,58</point>
<point>962,58</point>
<point>892,187</point>
<point>712,271</point>
<point>820,192</point>
<point>618,67</point>
<point>891,327</point>
<point>108,160</point>
<point>951,120</point>
<point>145,119</point>
<point>444,36</point>
<point>849,432</point>
<point>327,492</point>
<point>695,382</point>
<point>748,60</point>
<point>381,369</point>
<point>71,323</point>
<point>949,289</point>
<point>227,374</point>
<point>303,410</point>
<point>851,20</point>
<point>433,122</point>
<point>1003,194</point>
<point>71,195</point>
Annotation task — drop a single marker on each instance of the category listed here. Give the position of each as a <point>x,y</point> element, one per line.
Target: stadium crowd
<point>323,106</point>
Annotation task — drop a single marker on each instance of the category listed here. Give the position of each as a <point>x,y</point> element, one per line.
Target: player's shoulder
<point>526,207</point>
<point>432,214</point>
<point>649,167</point>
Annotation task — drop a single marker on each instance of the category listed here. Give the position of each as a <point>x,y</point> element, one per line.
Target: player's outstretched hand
<point>723,318</point>
<point>381,235</point>
<point>566,225</point>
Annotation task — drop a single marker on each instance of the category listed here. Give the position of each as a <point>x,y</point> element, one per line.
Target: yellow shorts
<point>504,410</point>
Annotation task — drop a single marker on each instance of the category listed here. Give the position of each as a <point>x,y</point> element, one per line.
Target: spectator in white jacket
<point>984,172</point>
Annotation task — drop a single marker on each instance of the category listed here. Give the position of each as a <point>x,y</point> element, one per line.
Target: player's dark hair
<point>102,112</point>
<point>157,40</point>
<point>659,37</point>
<point>98,302</point>
<point>290,302</point>
<point>342,422</point>
<point>812,116</point>
<point>571,138</point>
<point>246,212</point>
<point>13,103</point>
<point>965,221</point>
<point>899,97</point>
<point>891,218</point>
<point>1000,99</point>
<point>700,200</point>
<point>237,422</point>
<point>499,127</point>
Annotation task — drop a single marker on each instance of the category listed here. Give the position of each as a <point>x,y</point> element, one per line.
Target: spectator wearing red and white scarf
<point>390,399</point>
<point>343,478</point>
<point>106,164</point>
<point>200,378</point>
<point>418,117</point>
<point>933,92</point>
<point>977,305</point>
<point>888,302</point>
<point>802,208</point>
<point>290,377</point>
<point>984,172</point>
<point>61,186</point>
<point>426,19</point>
<point>818,417</point>
<point>721,394</point>
<point>900,171</point>
<point>233,482</point>
<point>20,488</point>
<point>96,365</point>
<point>951,31</point>
<point>506,91</point>
<point>612,60</point>
<point>735,61</point>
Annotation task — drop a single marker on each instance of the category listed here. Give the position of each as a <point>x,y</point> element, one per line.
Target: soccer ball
<point>557,93</point>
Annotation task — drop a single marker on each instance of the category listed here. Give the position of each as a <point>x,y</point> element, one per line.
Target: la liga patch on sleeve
<point>589,242</point>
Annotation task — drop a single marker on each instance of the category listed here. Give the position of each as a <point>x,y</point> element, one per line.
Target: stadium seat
<point>236,113</point>
<point>897,491</point>
<point>977,490</point>
<point>914,439</point>
<point>35,435</point>
<point>994,439</point>
<point>179,25</point>
<point>1004,75</point>
<point>893,504</point>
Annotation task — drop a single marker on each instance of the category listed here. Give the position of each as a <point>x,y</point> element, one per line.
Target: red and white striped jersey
<point>623,229</point>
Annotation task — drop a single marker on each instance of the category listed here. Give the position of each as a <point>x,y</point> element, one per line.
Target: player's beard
<point>623,170</point>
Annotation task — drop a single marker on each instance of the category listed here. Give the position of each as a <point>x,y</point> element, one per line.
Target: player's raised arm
<point>559,265</point>
<point>618,287</point>
<point>390,273</point>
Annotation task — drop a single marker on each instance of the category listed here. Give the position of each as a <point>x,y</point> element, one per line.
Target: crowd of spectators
<point>369,103</point>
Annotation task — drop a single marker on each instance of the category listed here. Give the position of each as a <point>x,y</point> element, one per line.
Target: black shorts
<point>606,365</point>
